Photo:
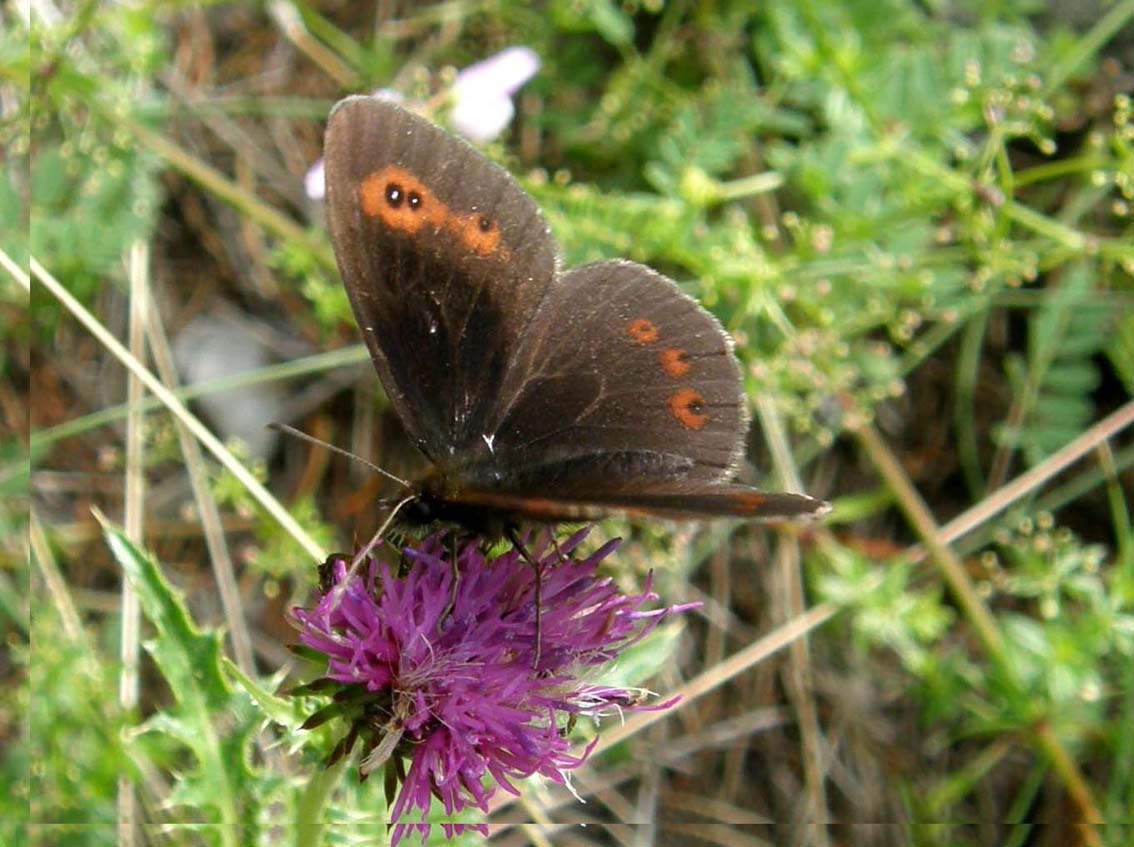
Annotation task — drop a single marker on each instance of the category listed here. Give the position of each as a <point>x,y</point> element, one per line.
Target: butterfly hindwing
<point>622,382</point>
<point>696,501</point>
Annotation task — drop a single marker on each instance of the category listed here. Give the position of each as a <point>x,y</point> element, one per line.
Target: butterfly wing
<point>626,397</point>
<point>623,385</point>
<point>691,501</point>
<point>444,257</point>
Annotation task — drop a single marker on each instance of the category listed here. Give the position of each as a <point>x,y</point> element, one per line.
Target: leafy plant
<point>1054,380</point>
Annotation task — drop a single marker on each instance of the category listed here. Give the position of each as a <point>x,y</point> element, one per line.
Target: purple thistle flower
<point>443,675</point>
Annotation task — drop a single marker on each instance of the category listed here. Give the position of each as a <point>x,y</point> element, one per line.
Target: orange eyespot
<point>403,202</point>
<point>675,362</point>
<point>643,331</point>
<point>688,408</point>
<point>480,234</point>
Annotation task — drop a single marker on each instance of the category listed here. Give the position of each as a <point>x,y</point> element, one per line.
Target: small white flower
<point>315,181</point>
<point>482,120</point>
<point>482,93</point>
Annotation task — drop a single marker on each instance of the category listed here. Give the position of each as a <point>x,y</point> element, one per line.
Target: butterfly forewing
<point>445,259</point>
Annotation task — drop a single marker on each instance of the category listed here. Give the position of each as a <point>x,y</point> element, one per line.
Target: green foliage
<point>13,213</point>
<point>328,300</point>
<point>78,182</point>
<point>318,283</point>
<point>1076,635</point>
<point>889,611</point>
<point>75,734</point>
<point>1120,349</point>
<point>1069,634</point>
<point>279,553</point>
<point>211,756</point>
<point>601,16</point>
<point>1054,382</point>
<point>92,189</point>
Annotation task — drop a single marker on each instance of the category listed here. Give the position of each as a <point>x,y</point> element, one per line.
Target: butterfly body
<point>536,393</point>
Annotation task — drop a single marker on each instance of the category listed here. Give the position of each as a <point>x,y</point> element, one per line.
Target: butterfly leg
<point>455,574</point>
<point>537,569</point>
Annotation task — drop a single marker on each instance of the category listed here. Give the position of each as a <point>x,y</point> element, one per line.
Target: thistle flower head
<point>437,666</point>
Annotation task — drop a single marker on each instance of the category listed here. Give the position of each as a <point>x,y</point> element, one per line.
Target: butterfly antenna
<point>361,554</point>
<point>303,436</point>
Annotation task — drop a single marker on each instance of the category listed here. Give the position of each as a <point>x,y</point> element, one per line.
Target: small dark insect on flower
<point>441,677</point>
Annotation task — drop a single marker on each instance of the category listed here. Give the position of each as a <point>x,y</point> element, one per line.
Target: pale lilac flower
<point>482,93</point>
<point>445,678</point>
<point>315,181</point>
<point>481,102</point>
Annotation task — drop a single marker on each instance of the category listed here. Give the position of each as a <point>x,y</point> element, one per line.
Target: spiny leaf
<point>206,716</point>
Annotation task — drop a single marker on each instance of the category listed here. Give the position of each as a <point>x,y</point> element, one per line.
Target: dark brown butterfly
<point>536,393</point>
